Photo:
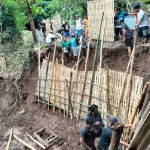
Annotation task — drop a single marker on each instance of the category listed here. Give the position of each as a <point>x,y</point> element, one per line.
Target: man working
<point>88,135</point>
<point>119,14</point>
<point>142,22</point>
<point>78,26</point>
<point>43,26</point>
<point>50,37</point>
<point>66,48</point>
<point>126,34</point>
<point>66,29</point>
<point>107,134</point>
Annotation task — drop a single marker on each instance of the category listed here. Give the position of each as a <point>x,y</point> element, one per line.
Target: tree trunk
<point>32,25</point>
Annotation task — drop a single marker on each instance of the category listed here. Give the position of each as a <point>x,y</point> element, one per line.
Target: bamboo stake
<point>39,68</point>
<point>107,87</point>
<point>54,86</point>
<point>85,75</point>
<point>62,56</point>
<point>10,137</point>
<point>94,64</point>
<point>77,63</point>
<point>136,108</point>
<point>34,140</point>
<point>47,67</point>
<point>70,103</point>
<point>54,54</point>
<point>130,77</point>
<point>100,63</point>
<point>24,143</point>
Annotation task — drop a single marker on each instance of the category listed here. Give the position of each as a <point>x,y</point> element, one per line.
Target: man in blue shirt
<point>119,14</point>
<point>88,135</point>
<point>105,138</point>
<point>142,22</point>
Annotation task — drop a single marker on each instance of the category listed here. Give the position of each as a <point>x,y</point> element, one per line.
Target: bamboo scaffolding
<point>52,70</point>
<point>130,76</point>
<point>134,112</point>
<point>101,56</point>
<point>94,64</point>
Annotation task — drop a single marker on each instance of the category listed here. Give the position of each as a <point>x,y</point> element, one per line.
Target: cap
<point>52,21</point>
<point>121,20</point>
<point>113,119</point>
<point>89,120</point>
<point>50,31</point>
<point>137,5</point>
<point>76,15</point>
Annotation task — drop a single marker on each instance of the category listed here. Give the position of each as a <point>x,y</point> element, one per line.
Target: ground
<point>32,116</point>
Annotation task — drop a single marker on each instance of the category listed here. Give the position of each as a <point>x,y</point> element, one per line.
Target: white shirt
<point>142,15</point>
<point>49,38</point>
<point>79,25</point>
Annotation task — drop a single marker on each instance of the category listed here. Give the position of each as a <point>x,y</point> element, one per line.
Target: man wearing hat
<point>127,35</point>
<point>88,135</point>
<point>105,138</point>
<point>142,22</point>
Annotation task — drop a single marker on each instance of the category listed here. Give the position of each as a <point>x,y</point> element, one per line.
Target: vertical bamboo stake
<point>107,89</point>
<point>100,63</point>
<point>130,77</point>
<point>70,103</point>
<point>39,69</point>
<point>51,85</point>
<point>85,75</point>
<point>94,64</point>
<point>62,56</point>
<point>54,87</point>
<point>10,137</point>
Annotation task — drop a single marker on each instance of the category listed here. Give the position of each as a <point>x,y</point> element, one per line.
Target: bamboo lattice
<point>95,9</point>
<point>54,90</point>
<point>57,22</point>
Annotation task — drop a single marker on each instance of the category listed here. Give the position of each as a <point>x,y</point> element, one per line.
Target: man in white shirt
<point>142,22</point>
<point>78,26</point>
<point>50,37</point>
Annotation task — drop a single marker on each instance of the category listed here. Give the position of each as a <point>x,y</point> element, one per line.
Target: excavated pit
<point>33,117</point>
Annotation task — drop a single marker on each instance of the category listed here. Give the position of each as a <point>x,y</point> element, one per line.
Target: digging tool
<point>10,137</point>
<point>38,143</point>
<point>70,103</point>
<point>24,143</point>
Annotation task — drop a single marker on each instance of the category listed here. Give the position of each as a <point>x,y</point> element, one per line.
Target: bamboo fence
<point>95,9</point>
<point>56,95</point>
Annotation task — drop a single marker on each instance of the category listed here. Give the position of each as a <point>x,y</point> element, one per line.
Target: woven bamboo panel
<point>57,22</point>
<point>95,9</point>
<point>55,91</point>
<point>47,22</point>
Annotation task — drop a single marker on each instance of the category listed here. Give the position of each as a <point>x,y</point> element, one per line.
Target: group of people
<point>95,128</point>
<point>124,33</point>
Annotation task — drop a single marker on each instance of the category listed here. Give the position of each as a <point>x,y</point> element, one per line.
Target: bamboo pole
<point>130,77</point>
<point>24,143</point>
<point>54,86</point>
<point>37,142</point>
<point>77,63</point>
<point>134,112</point>
<point>39,68</point>
<point>145,142</point>
<point>85,74</point>
<point>100,63</point>
<point>54,54</point>
<point>70,103</point>
<point>107,87</point>
<point>94,63</point>
<point>10,137</point>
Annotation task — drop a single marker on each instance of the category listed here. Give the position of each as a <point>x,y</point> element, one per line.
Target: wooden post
<point>94,63</point>
<point>85,74</point>
<point>70,103</point>
<point>39,69</point>
<point>24,143</point>
<point>130,77</point>
<point>10,137</point>
<point>136,108</point>
<point>54,87</point>
<point>100,63</point>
